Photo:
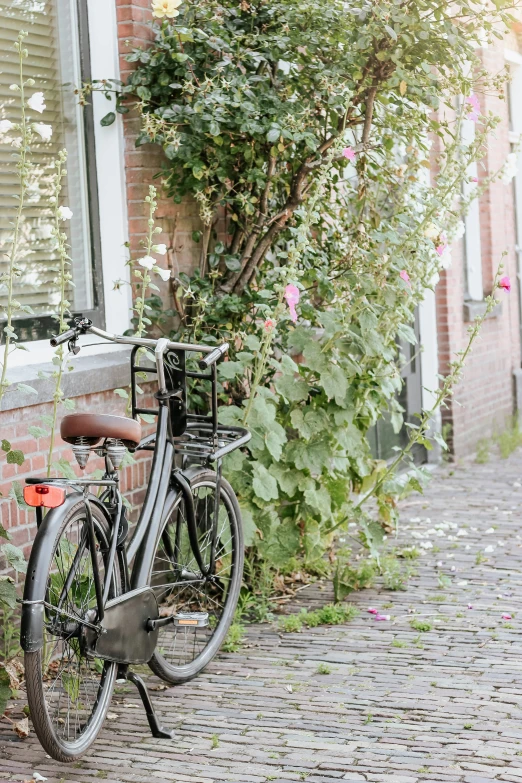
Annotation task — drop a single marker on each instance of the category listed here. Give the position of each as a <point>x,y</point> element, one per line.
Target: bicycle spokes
<point>71,680</point>
<point>195,601</point>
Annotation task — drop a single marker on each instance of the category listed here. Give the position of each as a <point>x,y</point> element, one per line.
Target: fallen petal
<point>371,610</point>
<point>382,617</point>
<point>22,729</point>
<point>506,616</point>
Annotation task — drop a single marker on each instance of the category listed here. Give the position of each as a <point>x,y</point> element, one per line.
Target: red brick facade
<point>484,400</point>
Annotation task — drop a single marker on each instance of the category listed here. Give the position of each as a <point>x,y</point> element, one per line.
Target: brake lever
<point>73,348</point>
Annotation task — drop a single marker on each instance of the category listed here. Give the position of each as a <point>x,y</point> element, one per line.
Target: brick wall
<point>179,222</point>
<point>484,400</point>
<point>14,425</point>
<point>142,163</point>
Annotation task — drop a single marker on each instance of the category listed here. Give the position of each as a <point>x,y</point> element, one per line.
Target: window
<point>55,64</point>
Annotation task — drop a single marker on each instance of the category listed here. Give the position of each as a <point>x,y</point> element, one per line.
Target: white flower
<point>36,102</point>
<point>147,261</point>
<point>460,230</point>
<point>5,126</point>
<point>160,249</point>
<point>43,130</point>
<point>163,273</point>
<point>431,231</point>
<point>65,213</point>
<point>161,8</point>
<point>14,87</point>
<point>510,168</point>
<point>445,258</point>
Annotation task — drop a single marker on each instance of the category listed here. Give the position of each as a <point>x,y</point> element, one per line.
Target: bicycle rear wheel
<point>184,650</point>
<point>69,693</point>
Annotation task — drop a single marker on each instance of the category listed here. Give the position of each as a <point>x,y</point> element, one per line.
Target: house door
<point>382,437</point>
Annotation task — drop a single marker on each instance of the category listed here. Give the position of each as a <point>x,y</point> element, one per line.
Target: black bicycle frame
<point>196,437</point>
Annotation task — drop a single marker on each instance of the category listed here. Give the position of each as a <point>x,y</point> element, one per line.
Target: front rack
<point>196,436</point>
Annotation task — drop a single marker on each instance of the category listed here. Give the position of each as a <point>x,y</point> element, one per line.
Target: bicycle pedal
<point>193,619</point>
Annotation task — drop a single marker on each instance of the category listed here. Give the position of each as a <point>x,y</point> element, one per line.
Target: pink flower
<point>505,283</point>
<point>506,616</point>
<point>382,617</point>
<point>474,111</point>
<point>269,325</point>
<point>292,298</point>
<point>371,610</point>
<point>348,153</point>
<point>405,276</point>
<point>473,179</point>
<point>440,249</point>
<point>470,606</point>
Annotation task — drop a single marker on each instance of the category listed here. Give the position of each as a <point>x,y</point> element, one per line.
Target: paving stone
<point>399,706</point>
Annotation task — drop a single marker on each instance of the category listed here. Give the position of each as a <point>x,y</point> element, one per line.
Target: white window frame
<point>111,185</point>
<point>472,244</point>
<point>514,59</point>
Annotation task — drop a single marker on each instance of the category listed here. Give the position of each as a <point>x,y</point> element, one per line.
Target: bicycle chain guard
<point>125,636</point>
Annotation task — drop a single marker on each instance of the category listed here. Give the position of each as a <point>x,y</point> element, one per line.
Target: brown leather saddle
<point>97,426</point>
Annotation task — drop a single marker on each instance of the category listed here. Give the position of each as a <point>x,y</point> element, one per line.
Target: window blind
<point>53,63</point>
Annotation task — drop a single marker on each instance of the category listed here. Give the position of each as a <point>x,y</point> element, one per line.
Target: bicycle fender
<point>31,627</point>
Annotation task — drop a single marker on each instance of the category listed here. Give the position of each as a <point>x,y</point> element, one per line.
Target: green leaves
<point>7,592</point>
<point>5,682</point>
<point>108,119</point>
<point>15,557</point>
<point>13,456</point>
<point>242,110</point>
<point>294,389</point>
<point>263,484</point>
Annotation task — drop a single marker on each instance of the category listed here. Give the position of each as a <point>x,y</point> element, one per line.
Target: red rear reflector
<point>44,495</point>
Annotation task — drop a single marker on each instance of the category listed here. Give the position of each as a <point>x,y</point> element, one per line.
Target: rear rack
<point>202,441</point>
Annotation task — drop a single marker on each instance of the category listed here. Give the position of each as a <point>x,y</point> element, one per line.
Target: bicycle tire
<point>162,664</point>
<point>37,668</point>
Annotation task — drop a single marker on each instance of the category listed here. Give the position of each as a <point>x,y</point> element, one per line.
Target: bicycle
<point>95,604</point>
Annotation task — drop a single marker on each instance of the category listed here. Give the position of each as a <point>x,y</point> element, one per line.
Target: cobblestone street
<point>400,704</point>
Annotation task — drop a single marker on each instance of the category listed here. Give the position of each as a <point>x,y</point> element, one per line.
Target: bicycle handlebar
<point>70,334</point>
<point>213,357</point>
<point>84,325</point>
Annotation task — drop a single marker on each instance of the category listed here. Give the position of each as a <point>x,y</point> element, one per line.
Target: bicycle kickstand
<point>157,730</point>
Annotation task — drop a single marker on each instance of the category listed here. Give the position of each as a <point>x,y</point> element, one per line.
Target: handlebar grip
<point>213,357</point>
<point>63,338</point>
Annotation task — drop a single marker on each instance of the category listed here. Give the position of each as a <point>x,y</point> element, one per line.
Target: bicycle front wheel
<point>184,650</point>
<point>68,692</point>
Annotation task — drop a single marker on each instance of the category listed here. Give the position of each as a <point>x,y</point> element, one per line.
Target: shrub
<point>309,128</point>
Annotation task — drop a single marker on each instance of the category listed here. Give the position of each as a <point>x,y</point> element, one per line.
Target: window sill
<point>91,374</point>
<point>475,309</point>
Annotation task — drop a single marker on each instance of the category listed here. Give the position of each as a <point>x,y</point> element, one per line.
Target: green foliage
<point>395,576</point>
<point>12,456</point>
<point>331,614</point>
<point>482,455</point>
<point>323,668</point>
<point>348,578</point>
<point>510,439</point>
<point>253,107</point>
<point>5,689</point>
<point>235,637</point>
<point>423,626</point>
